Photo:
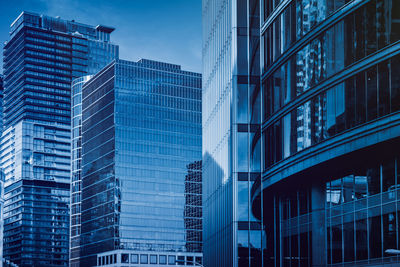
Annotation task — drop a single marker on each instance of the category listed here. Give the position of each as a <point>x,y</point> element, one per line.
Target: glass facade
<point>141,138</point>
<point>53,52</point>
<point>193,214</point>
<point>42,57</point>
<point>76,159</point>
<point>328,190</point>
<point>36,165</point>
<point>231,119</point>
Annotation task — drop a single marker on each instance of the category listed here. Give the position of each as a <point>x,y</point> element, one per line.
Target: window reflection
<point>346,105</point>
<point>338,47</point>
<point>243,201</point>
<point>297,19</point>
<point>361,225</point>
<point>243,150</point>
<point>360,187</point>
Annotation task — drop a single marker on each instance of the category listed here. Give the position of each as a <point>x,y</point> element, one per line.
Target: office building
<point>76,160</point>
<point>330,133</point>
<point>141,131</point>
<point>41,58</point>
<point>231,118</point>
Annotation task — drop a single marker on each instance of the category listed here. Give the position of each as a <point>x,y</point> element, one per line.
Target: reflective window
<point>243,201</point>
<point>360,98</point>
<point>153,259</point>
<point>243,151</point>
<point>297,19</point>
<point>361,226</point>
<point>144,259</point>
<point>125,258</point>
<point>171,260</point>
<point>163,259</point>
<point>338,47</point>
<point>134,258</point>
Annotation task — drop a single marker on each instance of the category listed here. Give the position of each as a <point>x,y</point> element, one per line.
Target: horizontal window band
<point>369,61</point>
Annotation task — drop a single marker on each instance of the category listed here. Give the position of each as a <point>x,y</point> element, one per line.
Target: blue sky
<point>164,30</point>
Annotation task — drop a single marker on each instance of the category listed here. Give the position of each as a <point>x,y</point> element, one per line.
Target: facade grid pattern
<point>330,119</point>
<point>140,134</point>
<point>42,57</point>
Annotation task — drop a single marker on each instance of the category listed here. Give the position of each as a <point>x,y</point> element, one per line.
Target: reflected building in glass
<point>42,57</point>
<point>330,133</point>
<point>231,120</point>
<point>141,181</point>
<point>193,208</point>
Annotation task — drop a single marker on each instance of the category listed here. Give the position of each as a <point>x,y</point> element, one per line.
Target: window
<point>162,259</point>
<point>243,203</point>
<point>134,258</point>
<point>199,260</point>
<point>171,260</point>
<point>125,258</point>
<point>189,260</point>
<point>371,94</point>
<point>153,259</point>
<point>181,260</point>
<point>144,259</point>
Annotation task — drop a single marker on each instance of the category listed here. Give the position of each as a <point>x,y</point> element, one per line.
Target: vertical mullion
<point>298,228</point>
<point>381,207</point>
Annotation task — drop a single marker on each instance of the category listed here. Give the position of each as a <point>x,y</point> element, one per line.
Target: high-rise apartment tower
<point>41,58</point>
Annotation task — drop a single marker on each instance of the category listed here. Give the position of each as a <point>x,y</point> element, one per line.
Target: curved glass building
<point>330,132</point>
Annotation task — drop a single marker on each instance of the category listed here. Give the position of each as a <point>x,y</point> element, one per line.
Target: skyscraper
<point>41,58</point>
<point>331,133</point>
<point>231,118</point>
<point>76,168</point>
<point>141,128</point>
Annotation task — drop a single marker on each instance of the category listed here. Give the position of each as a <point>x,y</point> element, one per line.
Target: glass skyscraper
<point>330,133</point>
<point>231,118</point>
<point>141,143</point>
<point>76,159</point>
<point>41,58</point>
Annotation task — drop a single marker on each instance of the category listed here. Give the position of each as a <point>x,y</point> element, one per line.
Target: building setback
<point>41,58</point>
<point>141,131</point>
<point>331,133</point>
<point>231,118</point>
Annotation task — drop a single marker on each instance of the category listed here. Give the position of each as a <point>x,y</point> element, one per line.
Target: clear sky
<point>163,30</point>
